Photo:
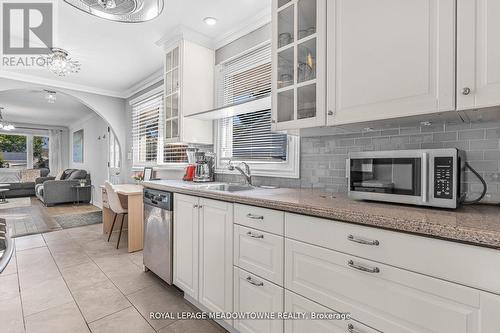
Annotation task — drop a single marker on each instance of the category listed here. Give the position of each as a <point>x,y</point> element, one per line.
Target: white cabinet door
<point>389,59</point>
<point>186,224</point>
<point>478,54</point>
<point>297,304</point>
<point>216,255</point>
<point>253,294</point>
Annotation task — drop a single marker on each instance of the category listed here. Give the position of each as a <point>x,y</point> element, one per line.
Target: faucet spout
<point>247,174</point>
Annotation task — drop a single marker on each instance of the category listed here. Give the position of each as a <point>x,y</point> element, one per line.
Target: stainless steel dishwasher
<point>158,229</point>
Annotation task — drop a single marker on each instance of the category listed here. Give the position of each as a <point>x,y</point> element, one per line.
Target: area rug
<point>16,203</point>
<point>77,220</point>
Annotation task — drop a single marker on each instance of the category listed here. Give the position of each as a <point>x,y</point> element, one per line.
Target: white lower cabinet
<point>216,255</point>
<point>203,251</point>
<point>272,273</point>
<point>383,297</point>
<point>253,294</point>
<point>297,304</point>
<point>186,244</point>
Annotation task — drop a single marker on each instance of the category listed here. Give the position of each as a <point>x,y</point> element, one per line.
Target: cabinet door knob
<point>273,121</point>
<point>351,329</point>
<point>255,283</point>
<point>251,234</point>
<point>330,112</point>
<point>195,206</point>
<point>466,91</point>
<point>363,241</point>
<point>359,267</point>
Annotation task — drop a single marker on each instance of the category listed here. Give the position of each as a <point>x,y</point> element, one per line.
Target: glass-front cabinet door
<point>172,91</point>
<point>299,63</point>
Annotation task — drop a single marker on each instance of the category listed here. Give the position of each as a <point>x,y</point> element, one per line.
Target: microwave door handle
<point>425,177</point>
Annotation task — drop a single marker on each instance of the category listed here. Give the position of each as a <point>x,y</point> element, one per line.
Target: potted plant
<point>138,177</point>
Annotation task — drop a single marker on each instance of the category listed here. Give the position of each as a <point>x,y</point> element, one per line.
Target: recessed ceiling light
<point>210,20</point>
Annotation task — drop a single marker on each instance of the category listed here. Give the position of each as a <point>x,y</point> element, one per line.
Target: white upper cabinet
<point>299,63</point>
<point>188,72</point>
<point>390,58</point>
<point>478,54</point>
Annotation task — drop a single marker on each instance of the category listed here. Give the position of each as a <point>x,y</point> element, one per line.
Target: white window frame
<point>286,169</point>
<point>159,164</point>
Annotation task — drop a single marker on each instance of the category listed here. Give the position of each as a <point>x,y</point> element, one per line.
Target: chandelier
<point>61,64</point>
<point>5,125</point>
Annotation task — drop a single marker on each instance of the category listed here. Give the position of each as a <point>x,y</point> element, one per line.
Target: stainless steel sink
<point>228,187</point>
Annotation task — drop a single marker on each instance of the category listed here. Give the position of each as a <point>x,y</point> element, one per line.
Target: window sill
<point>177,166</point>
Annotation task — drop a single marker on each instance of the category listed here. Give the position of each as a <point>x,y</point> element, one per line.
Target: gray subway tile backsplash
<point>323,158</point>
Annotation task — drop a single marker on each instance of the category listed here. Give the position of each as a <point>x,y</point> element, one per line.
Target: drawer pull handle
<point>364,241</point>
<point>359,267</point>
<point>351,329</point>
<point>255,217</point>
<point>255,283</point>
<point>251,234</point>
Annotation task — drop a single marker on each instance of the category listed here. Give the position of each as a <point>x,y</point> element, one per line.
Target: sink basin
<point>229,187</point>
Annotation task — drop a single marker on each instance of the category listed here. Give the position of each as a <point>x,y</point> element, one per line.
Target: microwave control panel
<point>443,177</point>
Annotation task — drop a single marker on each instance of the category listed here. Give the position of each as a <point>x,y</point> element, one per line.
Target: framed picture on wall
<point>78,146</point>
<point>148,173</point>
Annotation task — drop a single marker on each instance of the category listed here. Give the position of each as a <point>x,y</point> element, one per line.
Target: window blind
<point>248,137</point>
<point>145,129</point>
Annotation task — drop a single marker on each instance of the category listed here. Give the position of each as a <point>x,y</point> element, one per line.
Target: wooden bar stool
<point>116,206</point>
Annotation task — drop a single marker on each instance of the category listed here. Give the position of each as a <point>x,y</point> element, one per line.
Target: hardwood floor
<point>37,218</point>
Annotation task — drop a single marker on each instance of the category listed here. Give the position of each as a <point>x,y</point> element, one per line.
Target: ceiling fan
<point>128,11</point>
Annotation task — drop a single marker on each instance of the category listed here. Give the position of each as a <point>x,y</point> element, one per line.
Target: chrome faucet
<point>245,173</point>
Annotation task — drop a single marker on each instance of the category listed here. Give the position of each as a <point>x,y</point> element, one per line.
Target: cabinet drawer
<point>298,304</point>
<point>433,257</point>
<point>259,218</point>
<point>254,294</point>
<point>386,298</point>
<point>259,252</point>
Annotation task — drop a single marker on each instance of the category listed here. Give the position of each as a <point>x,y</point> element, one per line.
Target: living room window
<point>248,137</point>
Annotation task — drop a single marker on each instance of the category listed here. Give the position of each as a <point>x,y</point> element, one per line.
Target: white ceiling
<point>31,107</point>
<point>116,56</point>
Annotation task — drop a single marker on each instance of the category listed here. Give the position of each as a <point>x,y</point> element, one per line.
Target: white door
<point>186,231</point>
<point>216,255</point>
<point>253,294</point>
<point>478,54</point>
<point>389,59</point>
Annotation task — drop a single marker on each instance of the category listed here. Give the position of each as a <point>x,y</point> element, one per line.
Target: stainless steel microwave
<point>424,177</point>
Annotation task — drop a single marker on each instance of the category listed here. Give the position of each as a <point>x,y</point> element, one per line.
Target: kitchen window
<point>248,137</point>
<point>148,122</point>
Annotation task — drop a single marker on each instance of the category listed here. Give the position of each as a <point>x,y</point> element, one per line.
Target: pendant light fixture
<point>128,11</point>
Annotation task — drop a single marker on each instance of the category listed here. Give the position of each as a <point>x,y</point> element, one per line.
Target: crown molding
<point>245,27</point>
<point>145,83</point>
<point>58,84</point>
<point>181,32</point>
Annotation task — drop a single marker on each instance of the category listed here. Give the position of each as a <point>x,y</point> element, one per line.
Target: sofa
<point>21,182</point>
<point>57,190</point>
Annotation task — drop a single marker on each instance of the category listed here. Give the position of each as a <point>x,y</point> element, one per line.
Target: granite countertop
<point>475,225</point>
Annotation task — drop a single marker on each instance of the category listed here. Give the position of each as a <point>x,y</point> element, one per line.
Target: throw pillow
<point>67,173</point>
<point>29,175</point>
<point>59,175</point>
<point>78,174</point>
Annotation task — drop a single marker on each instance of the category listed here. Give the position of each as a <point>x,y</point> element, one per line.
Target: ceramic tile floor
<point>74,281</point>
